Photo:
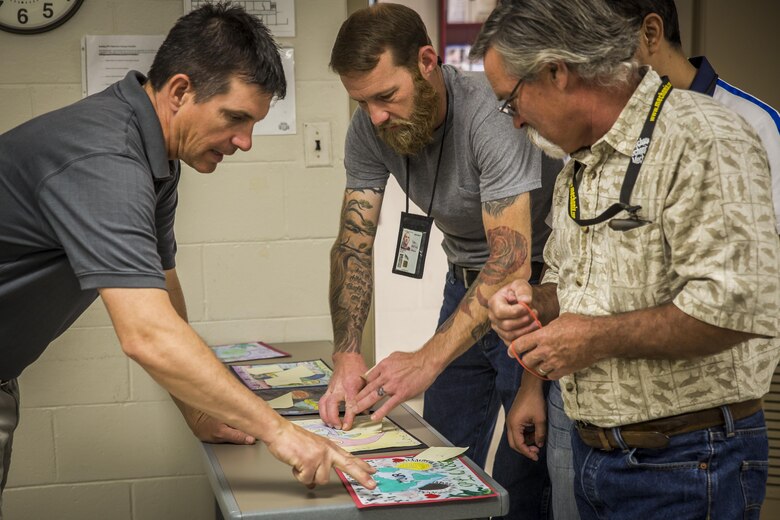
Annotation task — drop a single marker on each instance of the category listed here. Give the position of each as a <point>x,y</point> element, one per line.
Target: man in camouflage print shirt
<point>660,322</point>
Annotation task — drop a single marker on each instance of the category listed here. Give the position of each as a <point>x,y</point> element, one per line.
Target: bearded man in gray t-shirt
<point>438,131</point>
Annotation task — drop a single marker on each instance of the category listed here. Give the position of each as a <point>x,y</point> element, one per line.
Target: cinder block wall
<point>98,438</point>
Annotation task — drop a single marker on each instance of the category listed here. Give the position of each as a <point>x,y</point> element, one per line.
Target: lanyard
<point>438,161</point>
<point>632,172</point>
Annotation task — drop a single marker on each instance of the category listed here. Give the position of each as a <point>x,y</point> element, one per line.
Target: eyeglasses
<point>505,107</point>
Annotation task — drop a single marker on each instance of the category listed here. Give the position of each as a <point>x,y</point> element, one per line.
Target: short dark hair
<point>213,44</point>
<point>369,32</point>
<point>637,10</point>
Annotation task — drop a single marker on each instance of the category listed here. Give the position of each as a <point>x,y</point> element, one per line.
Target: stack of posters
<point>405,480</point>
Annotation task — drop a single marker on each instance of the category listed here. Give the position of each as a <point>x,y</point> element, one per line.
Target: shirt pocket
<point>638,267</point>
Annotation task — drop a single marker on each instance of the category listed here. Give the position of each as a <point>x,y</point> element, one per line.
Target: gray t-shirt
<point>87,200</point>
<point>484,158</point>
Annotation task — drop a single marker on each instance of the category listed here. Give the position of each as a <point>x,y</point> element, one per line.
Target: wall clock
<point>35,16</point>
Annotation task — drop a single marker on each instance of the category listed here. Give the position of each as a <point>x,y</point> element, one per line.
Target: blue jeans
<point>463,403</point>
<point>717,473</point>
<point>559,457</point>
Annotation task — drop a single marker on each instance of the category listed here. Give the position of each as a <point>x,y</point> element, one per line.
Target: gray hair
<point>585,34</point>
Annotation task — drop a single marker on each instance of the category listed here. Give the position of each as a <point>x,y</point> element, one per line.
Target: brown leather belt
<point>655,434</point>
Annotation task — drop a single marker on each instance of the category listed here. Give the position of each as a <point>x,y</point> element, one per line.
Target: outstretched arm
<point>351,287</point>
<point>404,375</point>
<point>157,338</point>
<point>205,427</point>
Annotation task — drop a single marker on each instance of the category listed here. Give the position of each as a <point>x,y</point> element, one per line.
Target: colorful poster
<point>365,436</point>
<point>284,375</point>
<point>246,352</point>
<point>304,400</point>
<point>408,480</point>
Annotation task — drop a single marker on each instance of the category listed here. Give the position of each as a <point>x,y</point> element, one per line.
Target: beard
<point>548,147</point>
<point>409,136</point>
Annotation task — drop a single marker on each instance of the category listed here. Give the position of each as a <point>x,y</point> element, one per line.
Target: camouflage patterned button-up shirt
<point>711,249</point>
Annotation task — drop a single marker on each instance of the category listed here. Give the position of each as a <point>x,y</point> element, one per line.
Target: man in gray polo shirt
<point>87,203</point>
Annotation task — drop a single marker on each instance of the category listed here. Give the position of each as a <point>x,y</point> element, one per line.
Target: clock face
<point>35,16</point>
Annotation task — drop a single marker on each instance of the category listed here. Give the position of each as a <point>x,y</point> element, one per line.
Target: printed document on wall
<point>281,117</point>
<point>107,59</point>
<point>277,15</point>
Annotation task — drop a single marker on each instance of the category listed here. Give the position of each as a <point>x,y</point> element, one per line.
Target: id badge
<point>412,245</point>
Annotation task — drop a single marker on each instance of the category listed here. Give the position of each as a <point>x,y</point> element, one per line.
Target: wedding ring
<point>380,392</point>
<point>542,372</point>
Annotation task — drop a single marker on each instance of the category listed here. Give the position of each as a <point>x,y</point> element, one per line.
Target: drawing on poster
<point>246,352</point>
<point>408,480</point>
<point>284,375</point>
<point>365,436</point>
<point>304,400</point>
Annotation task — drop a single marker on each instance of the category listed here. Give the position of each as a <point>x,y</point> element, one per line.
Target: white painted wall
<point>98,438</point>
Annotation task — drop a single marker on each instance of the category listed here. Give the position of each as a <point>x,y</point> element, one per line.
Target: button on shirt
<point>711,249</point>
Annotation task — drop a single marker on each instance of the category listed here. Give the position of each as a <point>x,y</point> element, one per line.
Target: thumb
<point>234,436</point>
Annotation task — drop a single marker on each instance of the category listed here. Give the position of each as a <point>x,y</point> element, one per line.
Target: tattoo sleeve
<point>495,208</point>
<point>351,277</point>
<point>508,253</point>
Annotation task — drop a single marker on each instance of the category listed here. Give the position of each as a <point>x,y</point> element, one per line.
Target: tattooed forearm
<point>480,330</point>
<point>508,252</point>
<point>447,325</point>
<point>495,208</point>
<point>350,295</point>
<point>351,279</point>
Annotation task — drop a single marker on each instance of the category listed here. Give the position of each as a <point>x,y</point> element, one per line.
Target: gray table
<point>249,483</point>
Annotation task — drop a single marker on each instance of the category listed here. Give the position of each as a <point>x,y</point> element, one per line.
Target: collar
<point>131,90</point>
<point>706,77</point>
<point>628,126</point>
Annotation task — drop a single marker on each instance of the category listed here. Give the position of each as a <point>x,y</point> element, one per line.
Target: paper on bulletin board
<point>277,15</point>
<point>281,117</point>
<point>107,59</point>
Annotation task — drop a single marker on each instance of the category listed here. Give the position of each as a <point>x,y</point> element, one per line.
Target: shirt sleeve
<point>102,211</point>
<point>508,163</point>
<point>362,157</point>
<point>719,222</point>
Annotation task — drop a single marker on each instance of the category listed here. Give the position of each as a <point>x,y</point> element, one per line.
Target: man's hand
<point>527,420</point>
<point>563,346</point>
<point>400,376</point>
<point>312,457</point>
<point>209,429</point>
<point>344,386</point>
<point>509,317</point>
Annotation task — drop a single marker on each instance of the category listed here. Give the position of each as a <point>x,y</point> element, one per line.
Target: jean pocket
<point>753,477</point>
<point>664,460</point>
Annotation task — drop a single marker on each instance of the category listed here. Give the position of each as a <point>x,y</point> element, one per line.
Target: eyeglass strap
<point>632,171</point>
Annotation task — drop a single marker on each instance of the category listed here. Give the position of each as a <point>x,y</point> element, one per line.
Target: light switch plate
<point>316,144</point>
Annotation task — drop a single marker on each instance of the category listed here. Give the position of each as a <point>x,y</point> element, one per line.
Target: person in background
<point>660,304</point>
<point>89,210</point>
<point>438,131</point>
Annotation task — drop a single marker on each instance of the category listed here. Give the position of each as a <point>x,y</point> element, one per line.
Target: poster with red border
<point>405,480</point>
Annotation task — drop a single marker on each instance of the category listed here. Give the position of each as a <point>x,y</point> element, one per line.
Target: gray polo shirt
<point>485,158</point>
<point>87,201</point>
